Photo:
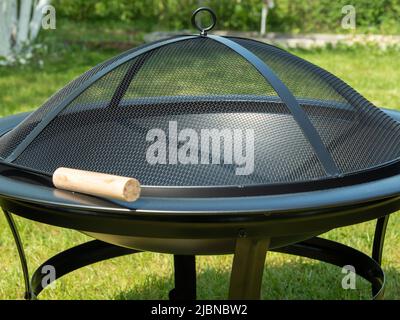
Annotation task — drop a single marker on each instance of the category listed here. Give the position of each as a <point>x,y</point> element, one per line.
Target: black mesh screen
<point>199,85</point>
<point>197,68</point>
<point>114,141</point>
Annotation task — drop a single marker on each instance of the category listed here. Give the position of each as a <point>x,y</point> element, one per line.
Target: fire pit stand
<point>247,269</point>
<point>249,252</point>
<point>320,156</point>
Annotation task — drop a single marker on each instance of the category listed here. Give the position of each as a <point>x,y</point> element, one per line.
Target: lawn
<point>148,275</point>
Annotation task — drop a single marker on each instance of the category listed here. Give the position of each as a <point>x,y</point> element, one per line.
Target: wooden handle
<point>97,184</point>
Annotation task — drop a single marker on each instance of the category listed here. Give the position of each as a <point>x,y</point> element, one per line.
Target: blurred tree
<point>287,16</point>
<point>267,4</point>
<point>20,22</point>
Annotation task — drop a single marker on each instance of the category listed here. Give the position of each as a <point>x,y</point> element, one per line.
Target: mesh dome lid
<point>197,111</point>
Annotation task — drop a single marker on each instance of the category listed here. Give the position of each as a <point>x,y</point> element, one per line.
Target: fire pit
<point>240,147</point>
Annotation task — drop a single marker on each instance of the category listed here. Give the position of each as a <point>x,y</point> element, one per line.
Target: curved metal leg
<point>377,248</point>
<point>379,238</point>
<point>64,262</point>
<point>21,253</point>
<point>75,258</point>
<point>340,255</point>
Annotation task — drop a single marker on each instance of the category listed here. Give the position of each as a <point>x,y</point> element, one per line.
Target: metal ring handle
<point>203,31</point>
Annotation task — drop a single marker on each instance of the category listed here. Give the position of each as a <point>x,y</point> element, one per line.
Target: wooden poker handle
<point>97,184</point>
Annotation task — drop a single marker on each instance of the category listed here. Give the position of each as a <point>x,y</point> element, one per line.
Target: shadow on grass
<point>305,280</point>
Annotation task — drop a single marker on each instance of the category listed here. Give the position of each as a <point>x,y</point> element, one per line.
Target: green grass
<point>373,73</point>
<point>148,275</point>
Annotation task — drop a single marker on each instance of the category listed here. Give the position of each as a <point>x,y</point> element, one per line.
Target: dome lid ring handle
<point>203,30</point>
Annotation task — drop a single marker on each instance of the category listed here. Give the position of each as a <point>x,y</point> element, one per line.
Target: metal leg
<point>379,238</point>
<point>341,255</point>
<point>247,268</point>
<point>64,262</point>
<point>75,258</point>
<point>377,248</point>
<point>185,278</point>
<point>21,253</point>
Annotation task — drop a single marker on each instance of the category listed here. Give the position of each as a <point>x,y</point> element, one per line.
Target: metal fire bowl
<point>197,225</point>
